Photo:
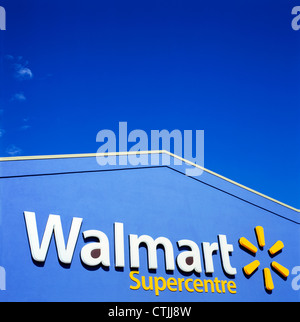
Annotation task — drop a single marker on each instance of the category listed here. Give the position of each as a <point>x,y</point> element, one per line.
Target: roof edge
<point>86,155</point>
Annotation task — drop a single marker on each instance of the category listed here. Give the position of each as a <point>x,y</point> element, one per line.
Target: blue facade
<point>158,201</point>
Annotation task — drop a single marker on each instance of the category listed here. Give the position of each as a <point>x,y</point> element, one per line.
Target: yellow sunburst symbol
<point>273,251</point>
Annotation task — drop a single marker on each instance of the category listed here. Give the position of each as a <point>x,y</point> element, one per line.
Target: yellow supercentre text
<point>159,284</point>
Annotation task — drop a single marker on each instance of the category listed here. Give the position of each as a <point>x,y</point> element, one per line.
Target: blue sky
<point>72,68</point>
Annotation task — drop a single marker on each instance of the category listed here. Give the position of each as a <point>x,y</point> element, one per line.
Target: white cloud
<point>19,97</point>
<point>13,150</point>
<point>22,72</point>
<point>2,131</point>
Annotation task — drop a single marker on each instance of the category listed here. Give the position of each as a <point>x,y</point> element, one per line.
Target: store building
<point>71,230</point>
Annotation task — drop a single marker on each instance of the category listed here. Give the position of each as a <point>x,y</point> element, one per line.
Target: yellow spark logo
<point>252,267</point>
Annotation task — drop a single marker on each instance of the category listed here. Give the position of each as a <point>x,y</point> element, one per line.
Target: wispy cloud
<point>2,131</point>
<point>20,66</point>
<point>23,72</point>
<point>25,127</point>
<point>13,150</point>
<point>19,97</point>
<point>20,72</point>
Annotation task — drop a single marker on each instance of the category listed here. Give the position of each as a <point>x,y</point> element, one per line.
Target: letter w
<point>39,252</point>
